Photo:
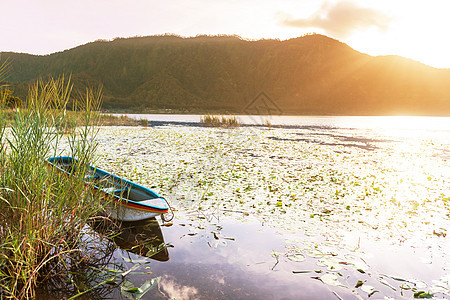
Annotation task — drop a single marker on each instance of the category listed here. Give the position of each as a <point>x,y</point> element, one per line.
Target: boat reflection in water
<point>143,238</point>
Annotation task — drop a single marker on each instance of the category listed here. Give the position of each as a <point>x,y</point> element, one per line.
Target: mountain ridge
<point>313,74</point>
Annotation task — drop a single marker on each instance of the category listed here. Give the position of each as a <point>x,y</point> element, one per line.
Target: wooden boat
<point>128,201</point>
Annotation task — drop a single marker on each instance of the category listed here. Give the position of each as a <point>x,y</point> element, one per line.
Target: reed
<point>220,121</point>
<point>143,122</point>
<point>112,120</point>
<point>43,213</point>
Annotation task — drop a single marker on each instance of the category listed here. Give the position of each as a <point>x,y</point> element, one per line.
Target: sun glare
<point>414,32</point>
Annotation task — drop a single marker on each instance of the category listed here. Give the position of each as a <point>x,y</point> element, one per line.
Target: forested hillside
<point>313,74</point>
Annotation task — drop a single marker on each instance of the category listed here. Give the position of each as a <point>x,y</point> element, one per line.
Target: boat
<point>126,200</point>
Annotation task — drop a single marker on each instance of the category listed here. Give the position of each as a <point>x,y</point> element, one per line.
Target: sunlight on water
<point>404,122</point>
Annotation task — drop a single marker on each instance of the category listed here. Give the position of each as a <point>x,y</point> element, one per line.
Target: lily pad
<point>298,257</point>
<point>368,288</point>
<point>330,279</point>
<point>331,263</point>
<point>346,194</point>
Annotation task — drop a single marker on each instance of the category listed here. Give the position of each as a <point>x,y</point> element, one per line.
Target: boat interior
<point>109,184</point>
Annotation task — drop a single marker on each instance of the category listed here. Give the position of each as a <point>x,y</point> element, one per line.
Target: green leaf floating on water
<point>384,281</point>
<point>131,292</point>
<point>297,257</point>
<point>330,263</point>
<point>148,285</point>
<point>125,287</point>
<point>224,169</point>
<point>360,271</point>
<point>330,279</point>
<point>359,283</point>
<point>398,278</point>
<point>301,272</point>
<point>422,295</point>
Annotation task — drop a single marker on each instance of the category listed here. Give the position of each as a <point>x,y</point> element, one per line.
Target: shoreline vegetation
<point>73,119</point>
<point>219,121</point>
<point>42,214</point>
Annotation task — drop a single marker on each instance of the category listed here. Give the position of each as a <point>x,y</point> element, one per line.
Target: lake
<point>311,208</point>
<point>361,122</point>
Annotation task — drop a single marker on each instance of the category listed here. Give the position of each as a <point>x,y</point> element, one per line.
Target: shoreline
<point>375,123</point>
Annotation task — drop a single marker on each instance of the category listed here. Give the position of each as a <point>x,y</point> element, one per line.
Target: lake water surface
<point>359,122</point>
<point>313,208</point>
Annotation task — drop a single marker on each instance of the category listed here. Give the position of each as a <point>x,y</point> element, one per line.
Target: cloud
<point>340,19</point>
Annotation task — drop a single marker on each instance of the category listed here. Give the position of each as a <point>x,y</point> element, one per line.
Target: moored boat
<point>127,201</point>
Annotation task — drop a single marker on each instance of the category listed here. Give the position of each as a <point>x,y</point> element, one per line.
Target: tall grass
<point>222,121</point>
<point>112,120</point>
<point>42,212</point>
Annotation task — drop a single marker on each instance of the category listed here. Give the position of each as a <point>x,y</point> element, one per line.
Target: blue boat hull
<point>127,201</point>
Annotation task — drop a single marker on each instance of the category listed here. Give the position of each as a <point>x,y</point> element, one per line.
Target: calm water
<point>225,259</point>
<point>319,208</point>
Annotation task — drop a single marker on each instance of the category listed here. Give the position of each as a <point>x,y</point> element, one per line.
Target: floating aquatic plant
<point>320,185</point>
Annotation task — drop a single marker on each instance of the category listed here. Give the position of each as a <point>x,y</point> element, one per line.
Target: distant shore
<point>293,121</point>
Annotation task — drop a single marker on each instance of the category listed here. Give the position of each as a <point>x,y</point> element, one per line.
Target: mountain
<point>313,74</point>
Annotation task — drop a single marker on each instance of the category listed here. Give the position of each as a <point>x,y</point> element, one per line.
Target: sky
<point>409,28</point>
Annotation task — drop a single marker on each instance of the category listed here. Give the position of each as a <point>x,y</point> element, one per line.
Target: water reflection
<point>229,258</point>
<point>85,271</point>
<point>143,238</point>
<point>100,269</point>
